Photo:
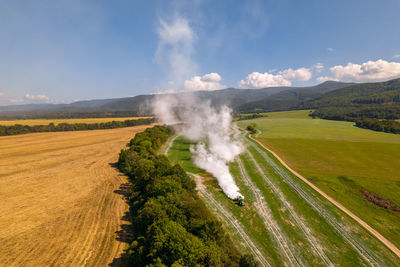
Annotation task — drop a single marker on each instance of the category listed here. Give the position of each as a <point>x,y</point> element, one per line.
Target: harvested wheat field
<point>60,196</point>
<point>71,121</point>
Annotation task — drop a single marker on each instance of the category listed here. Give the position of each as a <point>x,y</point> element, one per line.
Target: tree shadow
<point>125,234</point>
<point>114,165</point>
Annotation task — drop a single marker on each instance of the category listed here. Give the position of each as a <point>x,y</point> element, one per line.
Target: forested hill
<point>331,100</point>
<point>291,98</point>
<point>129,106</point>
<point>247,100</point>
<point>367,100</point>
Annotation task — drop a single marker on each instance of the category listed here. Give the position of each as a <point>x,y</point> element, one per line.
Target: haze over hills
<point>332,100</point>
<point>266,99</point>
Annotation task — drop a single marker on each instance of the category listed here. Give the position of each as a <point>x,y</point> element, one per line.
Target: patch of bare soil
<point>379,201</point>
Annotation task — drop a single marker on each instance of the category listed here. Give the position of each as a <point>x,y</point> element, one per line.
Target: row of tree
<point>388,126</point>
<point>64,114</point>
<point>51,127</point>
<point>170,223</point>
<point>353,113</point>
<point>241,117</point>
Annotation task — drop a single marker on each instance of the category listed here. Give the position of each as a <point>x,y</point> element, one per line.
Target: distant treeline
<point>241,117</point>
<point>23,129</point>
<point>387,126</point>
<point>170,223</point>
<point>353,113</point>
<point>46,114</point>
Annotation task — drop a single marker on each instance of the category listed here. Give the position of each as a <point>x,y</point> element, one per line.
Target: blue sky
<point>54,51</point>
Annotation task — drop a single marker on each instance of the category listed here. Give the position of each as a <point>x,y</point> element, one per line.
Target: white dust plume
<point>217,138</point>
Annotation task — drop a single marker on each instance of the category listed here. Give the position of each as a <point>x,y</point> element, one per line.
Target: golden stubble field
<point>57,199</point>
<point>71,121</point>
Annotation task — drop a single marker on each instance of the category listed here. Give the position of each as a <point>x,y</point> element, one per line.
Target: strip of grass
<point>180,153</point>
<point>339,250</point>
<point>323,151</point>
<point>335,246</point>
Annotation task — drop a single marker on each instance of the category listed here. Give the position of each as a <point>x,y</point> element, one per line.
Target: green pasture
<point>336,248</point>
<point>340,159</point>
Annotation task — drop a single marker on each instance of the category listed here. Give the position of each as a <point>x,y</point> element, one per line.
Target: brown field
<point>57,121</point>
<point>58,205</point>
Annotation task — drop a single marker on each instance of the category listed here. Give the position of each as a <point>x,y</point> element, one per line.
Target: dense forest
<point>290,99</point>
<point>388,126</point>
<point>51,127</point>
<point>366,100</point>
<point>372,106</point>
<point>170,223</point>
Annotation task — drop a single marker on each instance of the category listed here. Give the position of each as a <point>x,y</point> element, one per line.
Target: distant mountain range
<point>379,100</point>
<point>249,100</point>
<point>325,95</point>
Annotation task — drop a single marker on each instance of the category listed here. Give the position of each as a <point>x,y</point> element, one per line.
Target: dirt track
<point>58,205</point>
<point>381,238</point>
<point>307,232</point>
<point>272,226</point>
<point>230,219</point>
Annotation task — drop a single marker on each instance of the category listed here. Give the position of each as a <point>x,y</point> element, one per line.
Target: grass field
<point>341,160</point>
<point>283,221</point>
<point>60,198</point>
<point>57,121</point>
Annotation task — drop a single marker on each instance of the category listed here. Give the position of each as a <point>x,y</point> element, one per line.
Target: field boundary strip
<point>317,248</point>
<point>271,225</point>
<point>221,212</point>
<point>366,226</point>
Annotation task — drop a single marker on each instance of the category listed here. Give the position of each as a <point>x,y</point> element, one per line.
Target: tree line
<point>170,223</point>
<point>387,126</point>
<point>51,127</point>
<point>353,113</point>
<point>64,114</point>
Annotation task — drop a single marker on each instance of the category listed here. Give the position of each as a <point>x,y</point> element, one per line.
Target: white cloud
<point>175,49</point>
<point>16,101</point>
<point>318,67</point>
<point>167,91</point>
<point>396,56</point>
<point>301,74</point>
<point>330,49</point>
<point>325,78</point>
<point>283,78</point>
<point>208,82</point>
<point>38,97</point>
<point>379,70</point>
<point>261,80</point>
<point>212,77</point>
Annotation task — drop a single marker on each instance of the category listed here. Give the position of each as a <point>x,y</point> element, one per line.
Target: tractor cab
<point>240,201</point>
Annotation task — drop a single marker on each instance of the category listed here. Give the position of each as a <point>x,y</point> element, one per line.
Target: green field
<point>70,121</point>
<point>340,159</point>
<point>286,221</point>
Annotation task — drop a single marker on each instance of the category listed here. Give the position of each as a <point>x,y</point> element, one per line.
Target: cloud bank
<point>38,97</point>
<point>282,78</point>
<point>378,70</point>
<point>207,82</point>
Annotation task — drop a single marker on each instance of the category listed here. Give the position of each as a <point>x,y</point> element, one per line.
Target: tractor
<point>240,201</point>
